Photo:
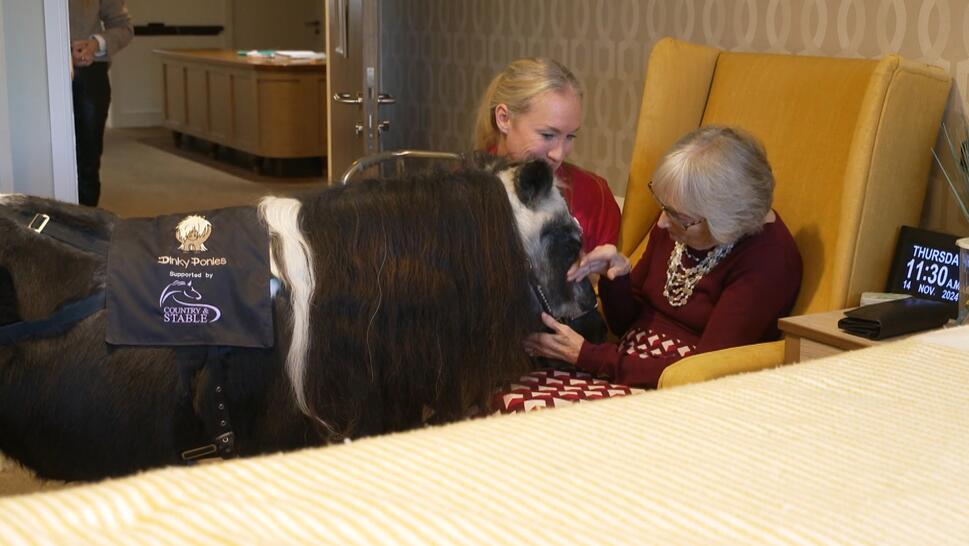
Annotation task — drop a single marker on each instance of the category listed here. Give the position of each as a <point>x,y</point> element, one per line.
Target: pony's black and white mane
<point>402,302</point>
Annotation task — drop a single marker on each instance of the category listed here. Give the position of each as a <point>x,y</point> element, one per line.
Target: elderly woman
<point>533,109</point>
<point>719,269</point>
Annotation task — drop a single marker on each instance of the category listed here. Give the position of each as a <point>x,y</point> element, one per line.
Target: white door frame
<point>61,98</point>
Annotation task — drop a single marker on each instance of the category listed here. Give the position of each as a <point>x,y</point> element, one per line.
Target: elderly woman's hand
<point>563,344</point>
<point>603,259</point>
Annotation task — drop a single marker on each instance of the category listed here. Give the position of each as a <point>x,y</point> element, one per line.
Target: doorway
<point>135,75</point>
<point>138,105</point>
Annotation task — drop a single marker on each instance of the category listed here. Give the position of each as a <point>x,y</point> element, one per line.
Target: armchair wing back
<point>849,141</point>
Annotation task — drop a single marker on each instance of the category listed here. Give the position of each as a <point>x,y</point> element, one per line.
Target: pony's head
<point>552,239</point>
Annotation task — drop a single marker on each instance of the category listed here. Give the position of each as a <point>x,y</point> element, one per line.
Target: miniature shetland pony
<point>403,302</point>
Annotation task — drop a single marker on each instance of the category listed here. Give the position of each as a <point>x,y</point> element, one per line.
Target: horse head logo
<point>192,233</point>
<point>183,294</point>
<point>179,288</point>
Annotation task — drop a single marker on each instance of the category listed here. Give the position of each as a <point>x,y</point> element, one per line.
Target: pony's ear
<point>534,181</point>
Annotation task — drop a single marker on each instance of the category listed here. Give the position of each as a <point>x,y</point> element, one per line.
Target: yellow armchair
<point>849,141</point>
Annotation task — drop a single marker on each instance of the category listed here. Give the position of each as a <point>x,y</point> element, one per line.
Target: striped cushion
<point>869,447</point>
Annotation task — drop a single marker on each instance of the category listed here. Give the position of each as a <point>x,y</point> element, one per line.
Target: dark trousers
<point>92,95</point>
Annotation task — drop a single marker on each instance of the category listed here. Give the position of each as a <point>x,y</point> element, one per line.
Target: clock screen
<point>926,265</point>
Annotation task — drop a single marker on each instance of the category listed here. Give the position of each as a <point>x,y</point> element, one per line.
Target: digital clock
<point>926,265</point>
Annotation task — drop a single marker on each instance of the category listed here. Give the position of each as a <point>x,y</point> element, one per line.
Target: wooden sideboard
<point>267,107</point>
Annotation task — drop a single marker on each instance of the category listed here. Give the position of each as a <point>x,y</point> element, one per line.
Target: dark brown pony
<point>403,303</point>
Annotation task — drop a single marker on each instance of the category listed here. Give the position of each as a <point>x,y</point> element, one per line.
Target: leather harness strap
<point>547,307</point>
<point>68,314</point>
<point>76,237</point>
<point>59,322</point>
<point>211,408</point>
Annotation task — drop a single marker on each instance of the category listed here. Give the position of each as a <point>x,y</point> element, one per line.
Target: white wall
<point>281,24</point>
<point>27,106</point>
<point>6,157</point>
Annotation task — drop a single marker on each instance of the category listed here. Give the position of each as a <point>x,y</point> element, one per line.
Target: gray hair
<point>720,174</point>
<point>515,87</point>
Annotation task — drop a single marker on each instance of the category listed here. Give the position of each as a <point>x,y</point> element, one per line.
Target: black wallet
<point>896,317</point>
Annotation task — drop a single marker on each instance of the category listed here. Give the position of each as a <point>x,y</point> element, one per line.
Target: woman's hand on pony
<point>563,343</point>
<point>603,259</point>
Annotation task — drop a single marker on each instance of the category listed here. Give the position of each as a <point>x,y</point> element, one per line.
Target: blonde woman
<point>533,109</point>
<point>719,269</point>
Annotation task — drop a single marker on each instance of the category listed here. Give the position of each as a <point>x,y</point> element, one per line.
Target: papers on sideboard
<point>301,55</point>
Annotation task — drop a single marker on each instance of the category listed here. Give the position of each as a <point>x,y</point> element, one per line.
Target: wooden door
<point>346,138</point>
<point>362,100</point>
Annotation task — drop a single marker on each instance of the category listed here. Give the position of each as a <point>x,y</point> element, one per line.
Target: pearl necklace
<point>680,281</point>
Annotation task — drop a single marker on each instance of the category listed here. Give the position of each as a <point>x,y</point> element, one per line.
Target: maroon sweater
<point>737,303</point>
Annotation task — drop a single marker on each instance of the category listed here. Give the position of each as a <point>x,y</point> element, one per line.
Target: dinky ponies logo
<point>192,233</point>
<point>182,304</point>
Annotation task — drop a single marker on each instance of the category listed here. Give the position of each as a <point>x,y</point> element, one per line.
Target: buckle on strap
<point>223,445</point>
<point>199,452</point>
<point>38,222</point>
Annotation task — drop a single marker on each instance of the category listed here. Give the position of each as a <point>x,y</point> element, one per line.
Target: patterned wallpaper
<point>448,50</point>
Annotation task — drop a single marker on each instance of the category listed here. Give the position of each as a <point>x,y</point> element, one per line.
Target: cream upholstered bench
<point>867,447</point>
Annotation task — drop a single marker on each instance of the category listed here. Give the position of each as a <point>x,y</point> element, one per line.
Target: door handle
<point>347,98</point>
<point>358,129</point>
<point>385,98</point>
<point>383,126</point>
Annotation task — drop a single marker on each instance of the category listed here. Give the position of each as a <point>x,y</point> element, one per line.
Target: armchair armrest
<point>706,366</point>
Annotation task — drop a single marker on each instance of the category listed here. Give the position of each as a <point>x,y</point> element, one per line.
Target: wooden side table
<point>807,337</point>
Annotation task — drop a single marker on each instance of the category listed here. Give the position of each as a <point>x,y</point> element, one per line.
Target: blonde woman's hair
<point>515,87</point>
<point>720,174</point>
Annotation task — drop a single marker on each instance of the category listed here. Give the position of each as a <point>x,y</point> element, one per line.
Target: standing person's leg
<point>92,95</point>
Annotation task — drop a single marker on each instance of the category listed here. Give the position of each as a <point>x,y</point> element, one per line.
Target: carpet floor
<point>143,173</point>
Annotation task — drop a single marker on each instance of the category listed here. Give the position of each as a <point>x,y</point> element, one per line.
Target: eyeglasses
<point>682,221</point>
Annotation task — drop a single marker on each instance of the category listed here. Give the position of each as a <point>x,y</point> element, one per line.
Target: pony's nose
<point>584,294</point>
<point>589,324</point>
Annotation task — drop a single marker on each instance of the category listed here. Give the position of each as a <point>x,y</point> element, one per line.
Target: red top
<point>591,202</point>
<point>737,303</point>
